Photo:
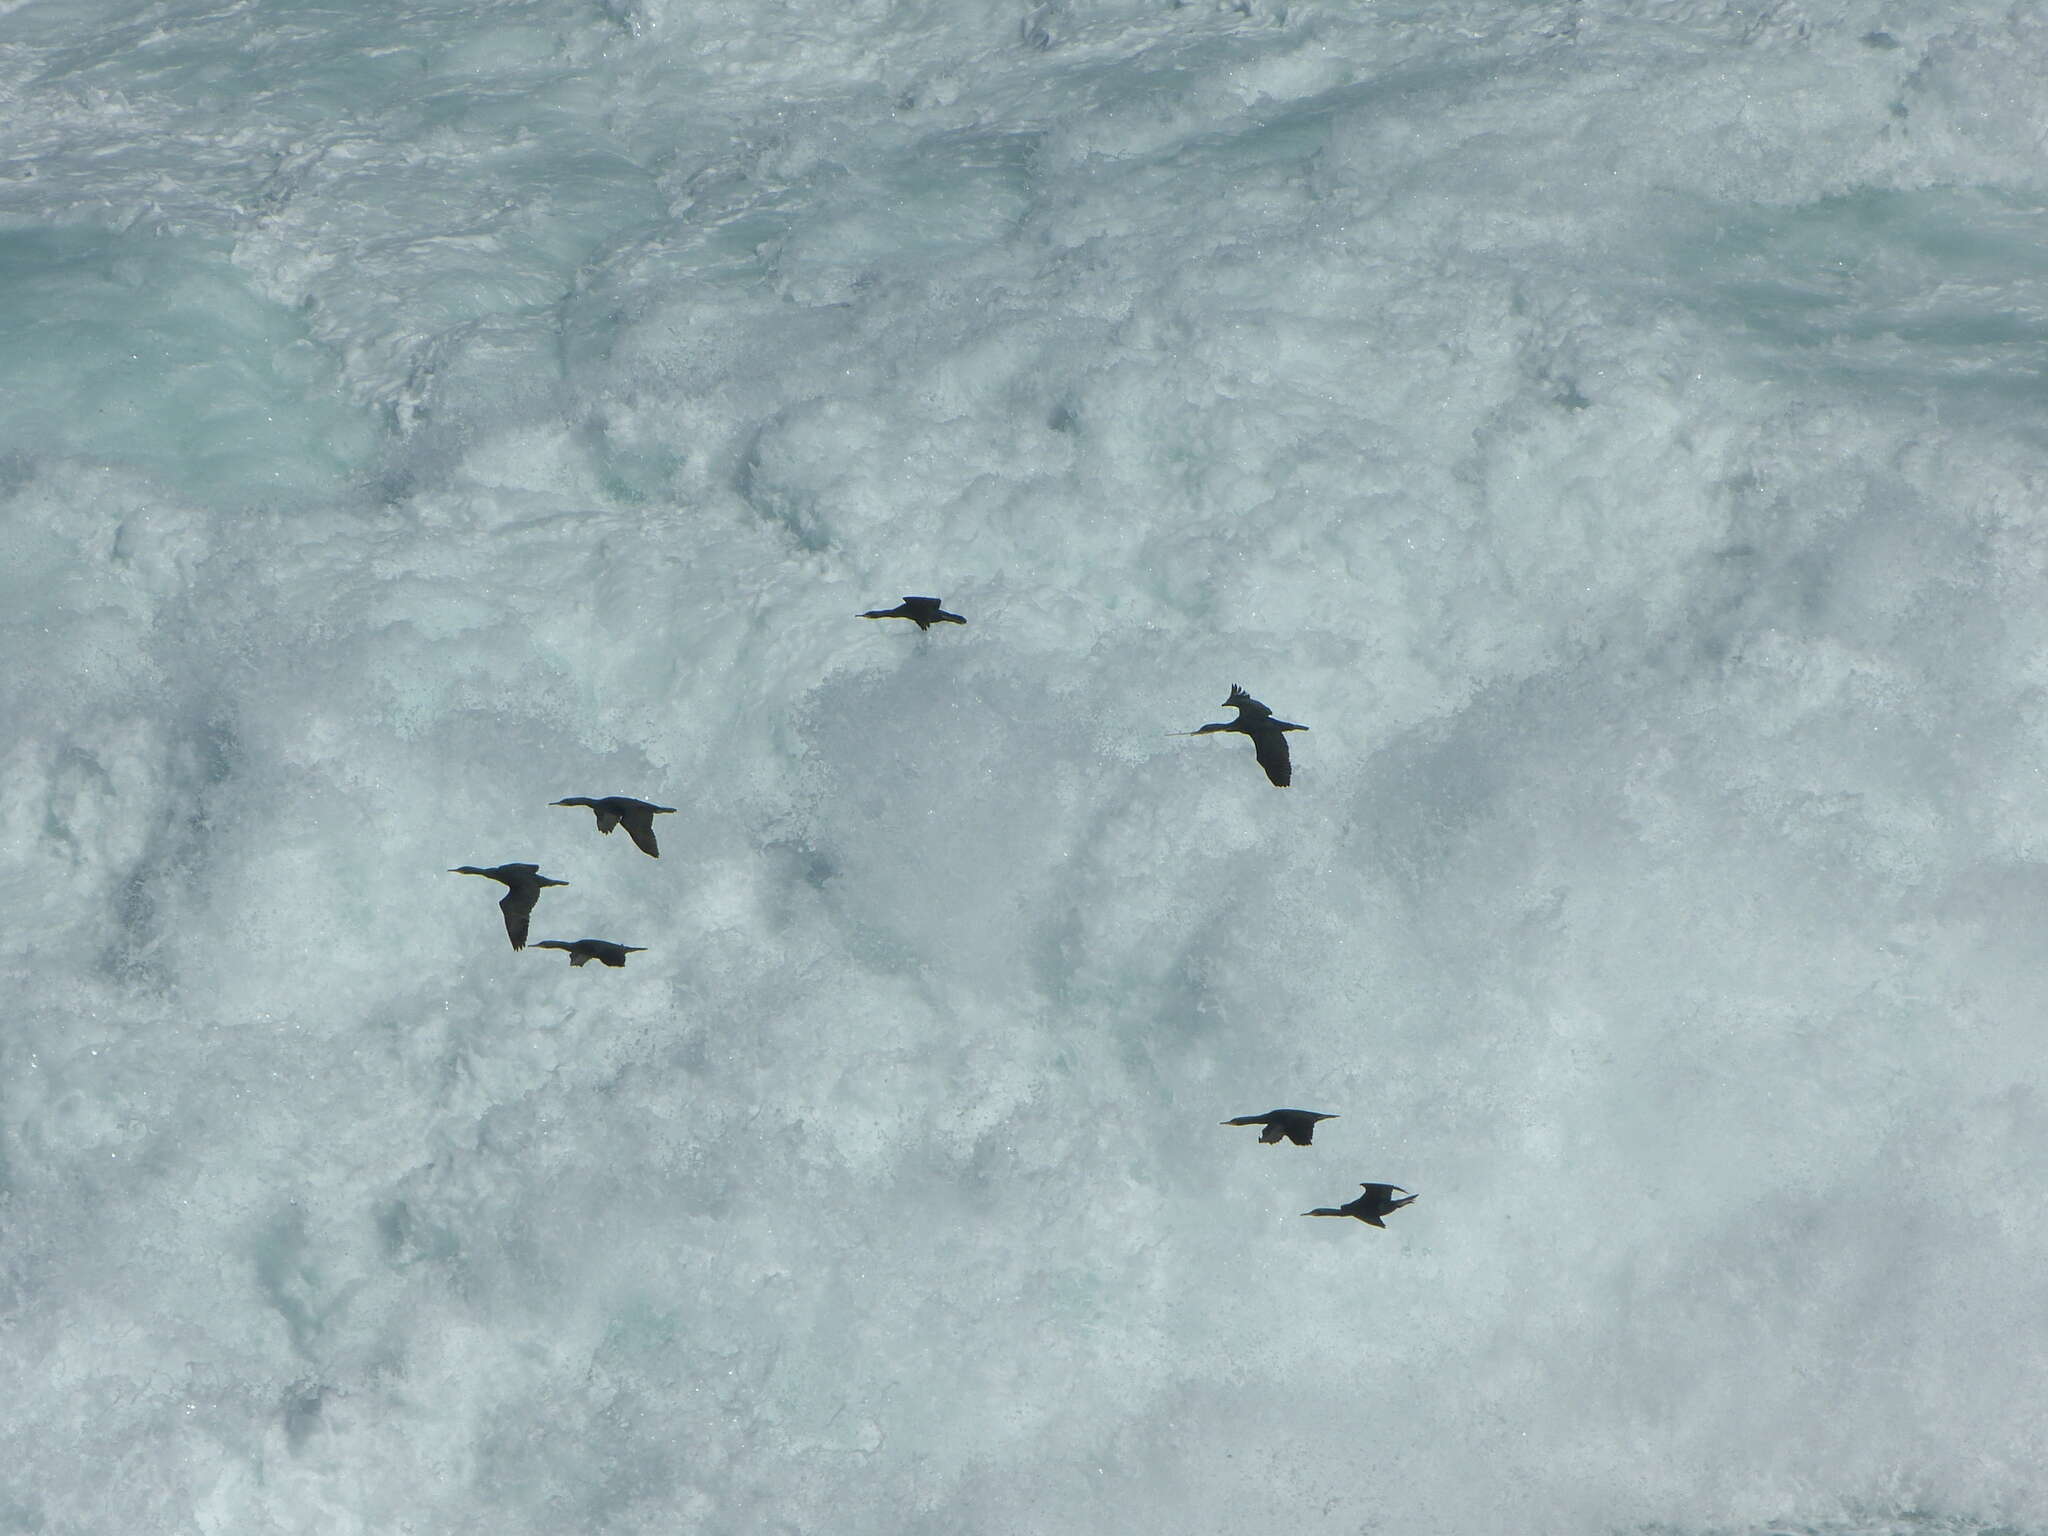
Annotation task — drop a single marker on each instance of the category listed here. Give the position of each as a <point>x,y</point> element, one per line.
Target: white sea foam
<point>1613,428</point>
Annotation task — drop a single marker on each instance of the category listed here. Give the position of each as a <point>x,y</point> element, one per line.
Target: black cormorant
<point>636,816</point>
<point>523,884</point>
<point>1268,735</point>
<point>1377,1201</point>
<point>1295,1125</point>
<point>585,950</point>
<point>924,612</point>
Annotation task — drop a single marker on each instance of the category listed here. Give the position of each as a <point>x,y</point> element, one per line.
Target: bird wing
<point>1272,750</point>
<point>518,908</point>
<point>639,825</point>
<point>1301,1132</point>
<point>606,820</point>
<point>1248,707</point>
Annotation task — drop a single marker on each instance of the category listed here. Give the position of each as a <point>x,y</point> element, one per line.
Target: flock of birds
<point>524,883</point>
<point>1299,1127</point>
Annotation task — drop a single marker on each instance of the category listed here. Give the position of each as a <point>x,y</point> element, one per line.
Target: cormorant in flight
<point>585,950</point>
<point>636,816</point>
<point>1295,1125</point>
<point>1268,735</point>
<point>523,884</point>
<point>1377,1201</point>
<point>924,612</point>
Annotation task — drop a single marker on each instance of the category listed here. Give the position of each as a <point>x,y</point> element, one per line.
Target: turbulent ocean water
<point>1616,428</point>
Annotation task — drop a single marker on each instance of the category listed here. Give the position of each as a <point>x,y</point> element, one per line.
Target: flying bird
<point>924,612</point>
<point>636,816</point>
<point>1268,735</point>
<point>1295,1125</point>
<point>583,951</point>
<point>523,884</point>
<point>1377,1201</point>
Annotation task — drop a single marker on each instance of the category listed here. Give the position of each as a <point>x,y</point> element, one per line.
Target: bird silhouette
<point>924,612</point>
<point>1377,1201</point>
<point>1295,1125</point>
<point>583,951</point>
<point>523,884</point>
<point>636,816</point>
<point>1268,735</point>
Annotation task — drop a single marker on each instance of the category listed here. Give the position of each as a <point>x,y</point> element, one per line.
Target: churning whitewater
<point>1612,425</point>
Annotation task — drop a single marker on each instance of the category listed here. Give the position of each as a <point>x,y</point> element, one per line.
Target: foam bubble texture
<point>1611,428</point>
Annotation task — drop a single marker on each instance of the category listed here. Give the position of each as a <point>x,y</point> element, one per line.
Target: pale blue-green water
<point>1617,429</point>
